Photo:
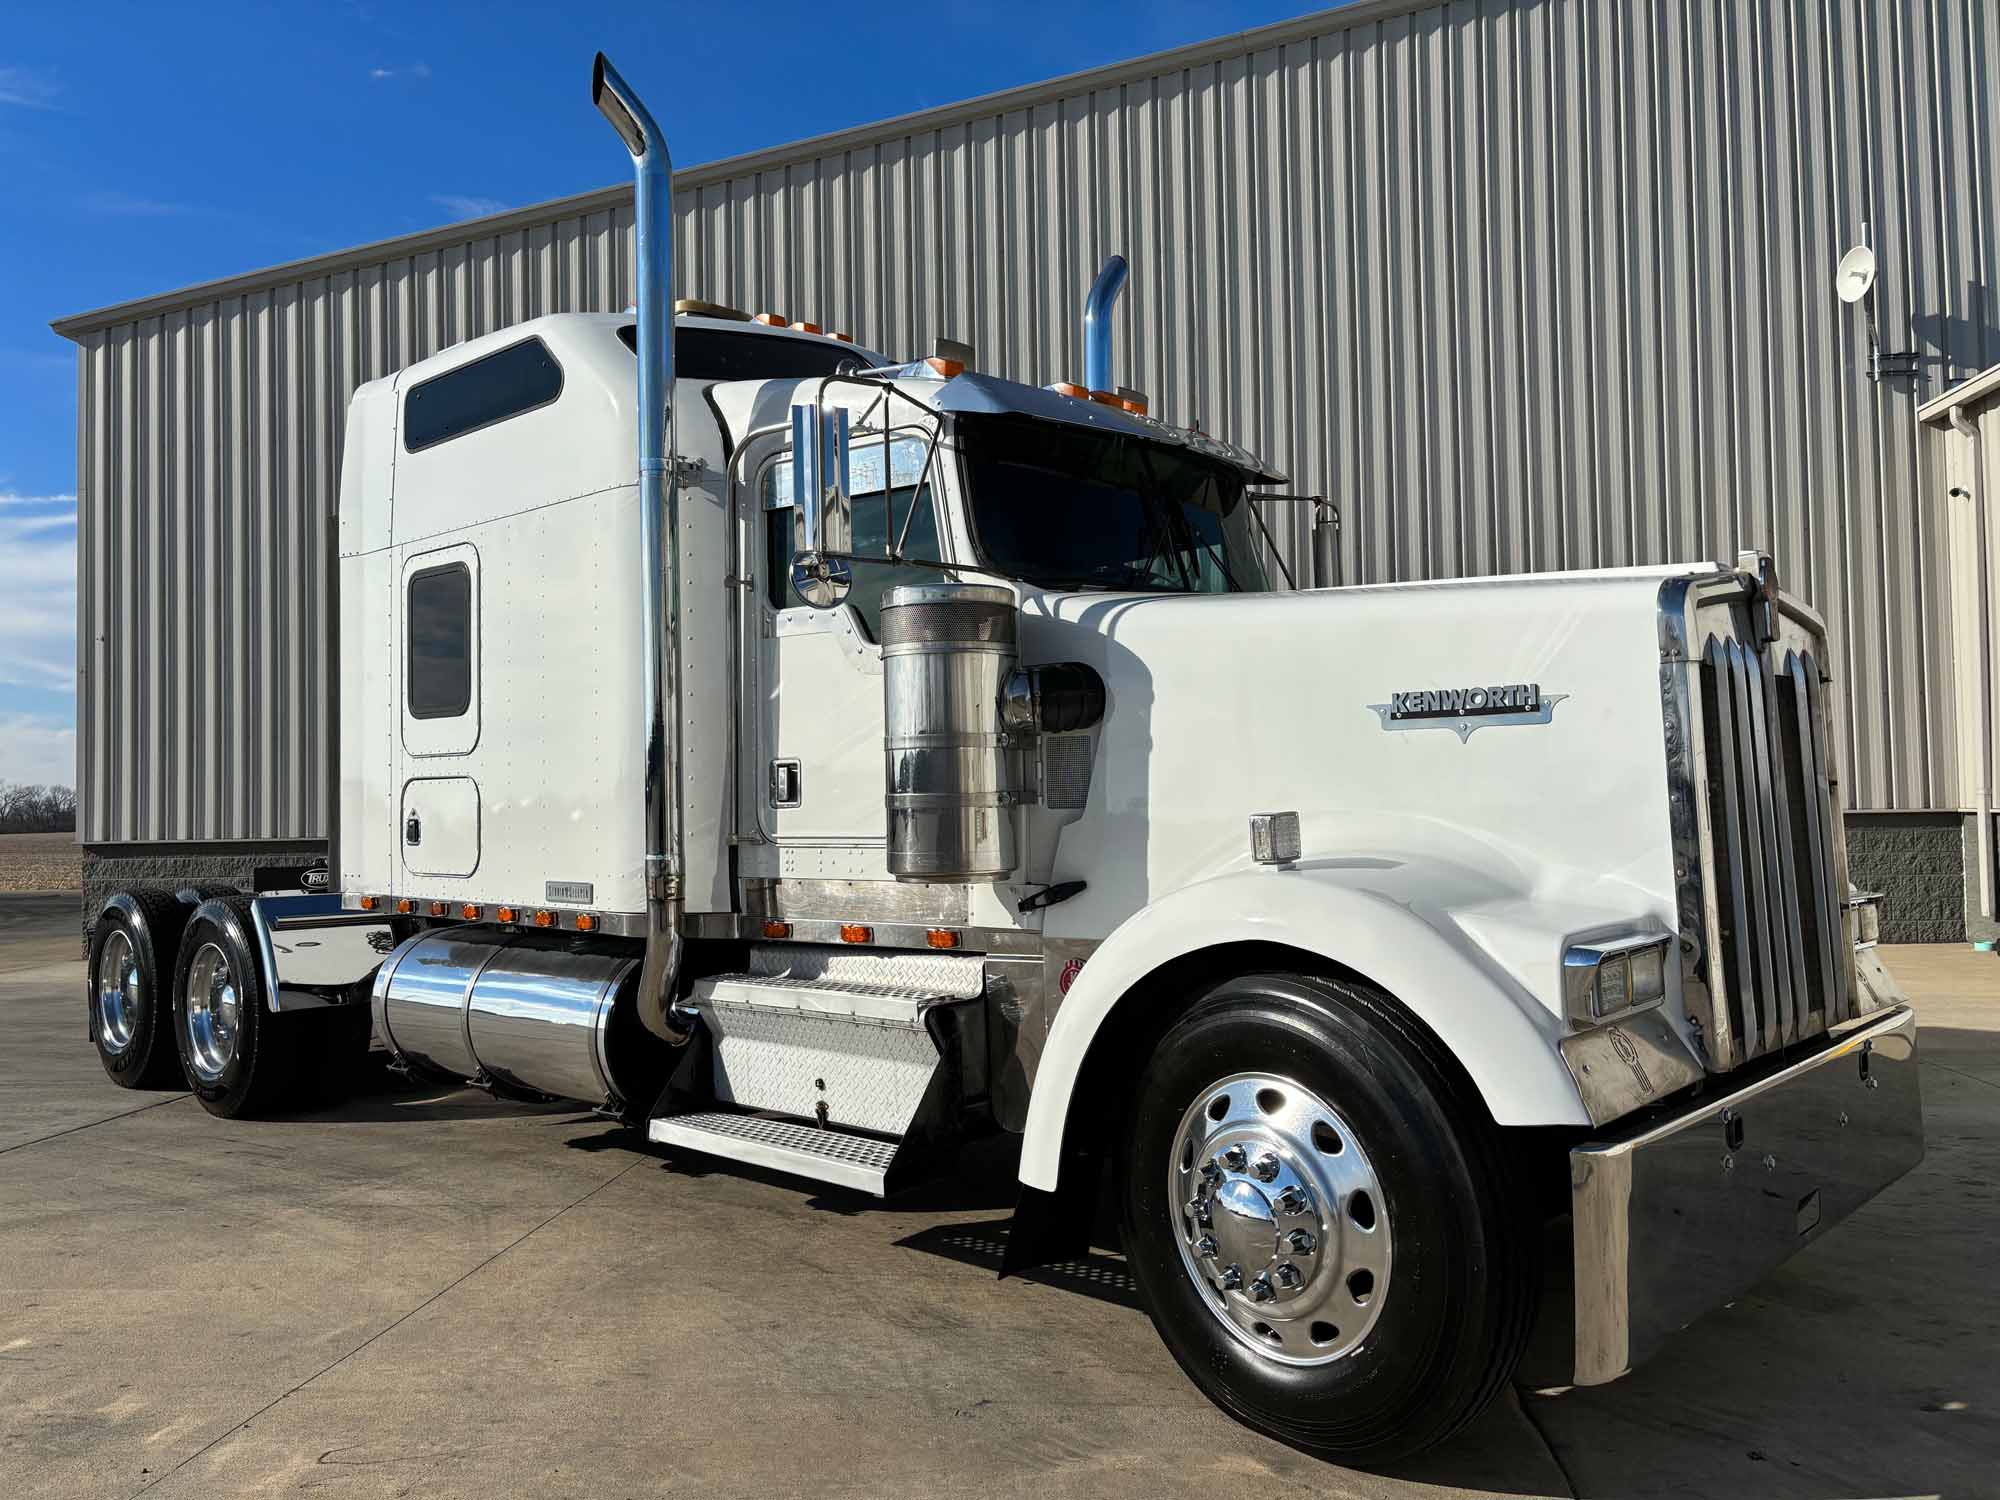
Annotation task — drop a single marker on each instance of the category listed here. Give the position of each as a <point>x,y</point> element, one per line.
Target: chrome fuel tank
<point>947,652</point>
<point>521,1012</point>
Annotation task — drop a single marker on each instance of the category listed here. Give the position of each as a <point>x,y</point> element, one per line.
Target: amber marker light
<point>941,937</point>
<point>799,325</point>
<point>946,368</point>
<point>469,911</point>
<point>1078,392</point>
<point>777,929</point>
<point>853,932</point>
<point>507,913</point>
<point>438,908</point>
<point>585,922</point>
<point>770,320</point>
<point>1107,398</point>
<point>406,906</point>
<point>369,903</point>
<point>545,919</point>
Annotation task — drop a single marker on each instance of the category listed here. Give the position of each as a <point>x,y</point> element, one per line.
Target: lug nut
<point>1205,1246</point>
<point>1198,1211</point>
<point>1291,1201</point>
<point>1260,1289</point>
<point>1266,1167</point>
<point>1210,1172</point>
<point>1232,1277</point>
<point>1234,1158</point>
<point>1301,1241</point>
<point>1288,1276</point>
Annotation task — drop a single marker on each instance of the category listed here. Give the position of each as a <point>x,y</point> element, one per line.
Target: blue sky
<point>144,147</point>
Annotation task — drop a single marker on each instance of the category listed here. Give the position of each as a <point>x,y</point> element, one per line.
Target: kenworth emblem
<point>1463,710</point>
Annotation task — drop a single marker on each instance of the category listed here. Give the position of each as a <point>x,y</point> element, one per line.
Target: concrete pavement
<point>425,1292</point>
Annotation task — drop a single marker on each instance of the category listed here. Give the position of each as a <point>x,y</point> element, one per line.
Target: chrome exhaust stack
<point>659,511</point>
<point>1097,324</point>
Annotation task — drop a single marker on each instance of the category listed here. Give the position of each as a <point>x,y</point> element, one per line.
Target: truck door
<point>438,815</point>
<point>817,768</point>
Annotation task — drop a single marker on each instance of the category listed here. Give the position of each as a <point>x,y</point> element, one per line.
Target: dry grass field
<point>40,862</point>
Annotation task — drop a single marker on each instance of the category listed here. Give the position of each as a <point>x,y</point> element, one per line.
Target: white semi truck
<point>816,761</point>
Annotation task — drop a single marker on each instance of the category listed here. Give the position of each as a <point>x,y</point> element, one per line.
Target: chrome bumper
<point>1679,1216</point>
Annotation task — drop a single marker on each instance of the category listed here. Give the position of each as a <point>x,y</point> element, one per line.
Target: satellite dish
<point>1855,274</point>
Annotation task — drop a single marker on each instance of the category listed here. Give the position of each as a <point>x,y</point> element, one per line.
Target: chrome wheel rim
<point>1280,1217</point>
<point>214,1013</point>
<point>120,995</point>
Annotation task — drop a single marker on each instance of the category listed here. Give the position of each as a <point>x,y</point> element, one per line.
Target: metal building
<point>1522,284</point>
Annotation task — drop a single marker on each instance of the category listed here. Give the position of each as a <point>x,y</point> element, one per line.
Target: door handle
<point>787,786</point>
<point>413,830</point>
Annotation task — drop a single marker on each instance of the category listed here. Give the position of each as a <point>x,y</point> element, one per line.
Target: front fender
<point>1388,921</point>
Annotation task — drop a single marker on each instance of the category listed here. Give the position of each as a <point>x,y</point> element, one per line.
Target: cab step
<point>857,1069</point>
<point>839,1157</point>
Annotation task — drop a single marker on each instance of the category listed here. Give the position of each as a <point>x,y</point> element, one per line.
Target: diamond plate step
<point>834,1156</point>
<point>886,989</point>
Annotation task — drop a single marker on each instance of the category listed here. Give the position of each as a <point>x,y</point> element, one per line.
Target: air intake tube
<point>659,512</point>
<point>1097,323</point>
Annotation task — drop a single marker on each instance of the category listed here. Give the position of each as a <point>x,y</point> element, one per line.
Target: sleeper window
<point>439,662</point>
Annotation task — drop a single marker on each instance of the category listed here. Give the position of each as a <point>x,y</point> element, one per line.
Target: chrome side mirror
<point>822,506</point>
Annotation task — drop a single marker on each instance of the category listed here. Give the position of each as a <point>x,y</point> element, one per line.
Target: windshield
<point>1077,507</point>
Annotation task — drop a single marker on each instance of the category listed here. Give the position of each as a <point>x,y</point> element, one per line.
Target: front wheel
<point>1321,1218</point>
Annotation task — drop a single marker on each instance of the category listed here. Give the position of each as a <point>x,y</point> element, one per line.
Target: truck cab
<point>815,760</point>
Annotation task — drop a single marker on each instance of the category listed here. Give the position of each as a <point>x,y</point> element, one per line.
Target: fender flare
<point>1359,915</point>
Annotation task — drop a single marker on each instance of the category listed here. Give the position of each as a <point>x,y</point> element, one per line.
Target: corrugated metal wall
<point>1524,285</point>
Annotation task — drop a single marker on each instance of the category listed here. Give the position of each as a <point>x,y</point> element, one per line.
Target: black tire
<point>1457,1309</point>
<point>257,1072</point>
<point>134,1037</point>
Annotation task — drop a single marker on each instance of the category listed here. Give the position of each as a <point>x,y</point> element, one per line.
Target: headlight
<point>1607,976</point>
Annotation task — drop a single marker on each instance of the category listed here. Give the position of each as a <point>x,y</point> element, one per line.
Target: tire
<point>240,1056</point>
<point>128,976</point>
<point>1403,1315</point>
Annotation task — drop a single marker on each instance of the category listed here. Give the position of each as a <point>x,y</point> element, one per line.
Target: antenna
<point>1854,281</point>
<point>1854,277</point>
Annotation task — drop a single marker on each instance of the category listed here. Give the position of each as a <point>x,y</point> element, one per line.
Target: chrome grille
<point>1778,965</point>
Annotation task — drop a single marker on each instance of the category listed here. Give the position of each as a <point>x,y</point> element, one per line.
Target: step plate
<point>850,1161</point>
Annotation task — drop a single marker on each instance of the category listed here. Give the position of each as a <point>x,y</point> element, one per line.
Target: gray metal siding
<point>1523,285</point>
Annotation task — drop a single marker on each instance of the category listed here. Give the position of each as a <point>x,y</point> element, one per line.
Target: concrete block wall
<point>112,867</point>
<point>1917,861</point>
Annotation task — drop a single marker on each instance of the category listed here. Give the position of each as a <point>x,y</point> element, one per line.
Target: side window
<point>438,671</point>
<point>880,516</point>
<point>503,384</point>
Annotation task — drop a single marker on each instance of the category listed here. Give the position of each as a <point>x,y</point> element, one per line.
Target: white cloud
<point>28,89</point>
<point>382,74</point>
<point>464,206</point>
<point>38,591</point>
<point>37,750</point>
<point>130,205</point>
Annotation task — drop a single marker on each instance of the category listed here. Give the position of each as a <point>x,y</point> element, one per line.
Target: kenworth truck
<point>816,761</point>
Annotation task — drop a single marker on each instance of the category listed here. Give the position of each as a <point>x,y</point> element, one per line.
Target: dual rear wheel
<point>178,999</point>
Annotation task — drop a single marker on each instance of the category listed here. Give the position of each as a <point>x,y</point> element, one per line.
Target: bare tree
<point>36,809</point>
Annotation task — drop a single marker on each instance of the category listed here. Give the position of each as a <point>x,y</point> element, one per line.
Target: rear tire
<point>240,1056</point>
<point>1323,1220</point>
<point>129,972</point>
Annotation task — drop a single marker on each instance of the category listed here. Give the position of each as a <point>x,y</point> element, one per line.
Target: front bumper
<point>1678,1216</point>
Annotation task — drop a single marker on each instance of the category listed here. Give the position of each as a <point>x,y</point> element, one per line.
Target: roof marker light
<point>772,320</point>
<point>1067,388</point>
<point>801,326</point>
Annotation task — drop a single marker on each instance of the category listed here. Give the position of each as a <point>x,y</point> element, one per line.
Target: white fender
<point>1389,921</point>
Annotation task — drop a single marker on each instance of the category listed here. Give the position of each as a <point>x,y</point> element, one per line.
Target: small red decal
<point>1068,976</point>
